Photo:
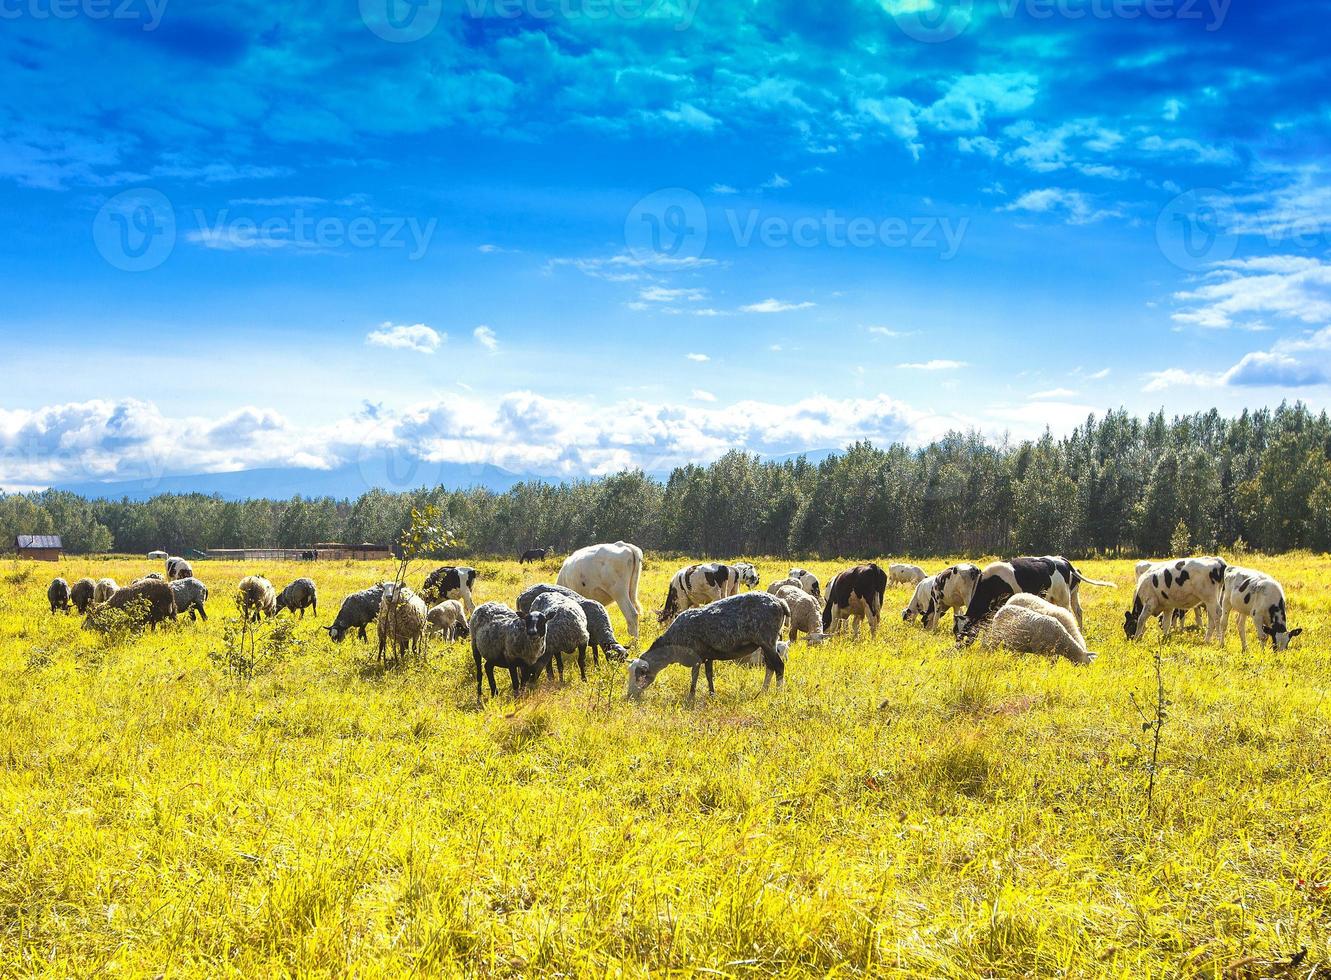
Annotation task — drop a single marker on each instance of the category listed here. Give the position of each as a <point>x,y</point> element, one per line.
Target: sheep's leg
<point>582,663</point>
<point>794,634</point>
<point>476,656</point>
<point>775,665</point>
<point>693,683</point>
<point>596,655</point>
<point>559,662</point>
<point>711,683</point>
<point>517,679</point>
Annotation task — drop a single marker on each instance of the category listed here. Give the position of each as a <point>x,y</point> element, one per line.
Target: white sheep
<point>806,615</point>
<point>257,597</point>
<point>1028,624</point>
<point>402,620</point>
<point>448,619</point>
<point>905,574</point>
<point>103,590</point>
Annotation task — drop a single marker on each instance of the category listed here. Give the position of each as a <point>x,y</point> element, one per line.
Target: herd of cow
<point>709,617</point>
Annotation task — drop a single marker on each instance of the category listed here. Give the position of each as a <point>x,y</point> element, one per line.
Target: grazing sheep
<point>57,594</point>
<point>535,554</point>
<point>402,620</point>
<point>257,597</point>
<point>1028,624</point>
<point>806,615</point>
<point>598,620</point>
<point>449,620</point>
<point>151,577</point>
<point>154,598</point>
<point>103,590</point>
<point>565,632</point>
<point>728,629</point>
<point>190,595</point>
<point>178,568</point>
<point>919,601</point>
<point>358,611</point>
<point>502,638</point>
<point>1254,595</point>
<point>807,581</point>
<point>81,594</point>
<point>905,574</point>
<point>298,596</point>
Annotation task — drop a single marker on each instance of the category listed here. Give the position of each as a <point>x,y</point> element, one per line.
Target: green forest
<point>1118,484</point>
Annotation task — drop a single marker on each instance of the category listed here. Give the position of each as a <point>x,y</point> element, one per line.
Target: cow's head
<point>1131,619</point>
<point>1278,631</point>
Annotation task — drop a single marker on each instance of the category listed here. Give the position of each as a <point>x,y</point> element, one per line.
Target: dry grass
<point>901,809</point>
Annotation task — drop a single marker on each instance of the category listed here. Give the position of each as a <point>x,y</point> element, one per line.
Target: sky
<point>572,236</point>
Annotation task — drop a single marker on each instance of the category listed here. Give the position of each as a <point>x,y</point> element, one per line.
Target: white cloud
<point>1099,375</point>
<point>700,358</point>
<point>703,396</point>
<point>1074,205</point>
<point>890,332</point>
<point>1239,292</point>
<point>1053,394</point>
<point>723,189</point>
<point>775,182</point>
<point>417,337</point>
<point>970,99</point>
<point>486,338</point>
<point>691,116</point>
<point>774,306</point>
<point>660,294</point>
<point>1258,369</point>
<point>934,365</point>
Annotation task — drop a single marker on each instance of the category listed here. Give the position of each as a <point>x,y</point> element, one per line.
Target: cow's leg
<point>630,611</point>
<point>1224,622</point>
<point>1243,631</point>
<point>874,612</point>
<point>1212,621</point>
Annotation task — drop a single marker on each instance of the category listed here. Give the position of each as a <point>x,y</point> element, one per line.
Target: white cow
<point>607,573</point>
<point>919,602</point>
<point>953,589</point>
<point>1182,584</point>
<point>1180,615</point>
<point>1249,594</point>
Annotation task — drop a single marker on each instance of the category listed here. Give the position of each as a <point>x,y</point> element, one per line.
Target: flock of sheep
<point>1025,604</point>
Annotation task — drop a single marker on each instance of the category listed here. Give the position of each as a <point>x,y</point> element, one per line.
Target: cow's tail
<point>1080,579</point>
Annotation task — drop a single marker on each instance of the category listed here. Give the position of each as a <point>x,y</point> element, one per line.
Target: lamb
<point>257,597</point>
<point>1028,624</point>
<point>905,574</point>
<point>794,583</point>
<point>728,629</point>
<point>502,638</point>
<point>449,620</point>
<point>57,594</point>
<point>190,595</point>
<point>298,596</point>
<point>103,590</point>
<point>565,632</point>
<point>807,581</point>
<point>178,568</point>
<point>81,593</point>
<point>918,607</point>
<point>806,614</point>
<point>1254,595</point>
<point>600,631</point>
<point>358,611</point>
<point>154,599</point>
<point>402,620</point>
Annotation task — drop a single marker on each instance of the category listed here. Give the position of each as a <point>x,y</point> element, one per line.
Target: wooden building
<point>39,547</point>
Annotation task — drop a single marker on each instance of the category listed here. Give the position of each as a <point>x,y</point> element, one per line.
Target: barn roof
<point>38,541</point>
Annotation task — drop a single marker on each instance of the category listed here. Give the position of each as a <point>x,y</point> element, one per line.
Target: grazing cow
<point>1180,615</point>
<point>1249,594</point>
<point>535,554</point>
<point>919,600</point>
<point>1181,585</point>
<point>856,594</point>
<point>450,582</point>
<point>748,574</point>
<point>905,574</point>
<point>953,589</point>
<point>807,581</point>
<point>607,573</point>
<point>1051,577</point>
<point>697,585</point>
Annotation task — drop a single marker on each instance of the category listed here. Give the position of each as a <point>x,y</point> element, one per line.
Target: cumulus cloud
<point>487,338</point>
<point>1258,369</point>
<point>699,395</point>
<point>970,99</point>
<point>1075,206</point>
<point>1240,292</point>
<point>774,306</point>
<point>700,358</point>
<point>416,336</point>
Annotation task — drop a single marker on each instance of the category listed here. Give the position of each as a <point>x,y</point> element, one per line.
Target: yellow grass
<point>901,809</point>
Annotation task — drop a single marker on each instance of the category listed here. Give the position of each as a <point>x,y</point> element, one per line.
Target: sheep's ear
<point>1294,633</point>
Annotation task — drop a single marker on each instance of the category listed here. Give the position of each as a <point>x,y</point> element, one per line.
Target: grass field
<point>900,809</point>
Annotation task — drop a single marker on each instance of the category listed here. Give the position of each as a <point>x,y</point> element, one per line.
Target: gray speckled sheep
<point>565,631</point>
<point>598,620</point>
<point>1028,624</point>
<point>502,638</point>
<point>190,595</point>
<point>57,594</point>
<point>81,593</point>
<point>728,629</point>
<point>257,597</point>
<point>401,622</point>
<point>358,611</point>
<point>299,596</point>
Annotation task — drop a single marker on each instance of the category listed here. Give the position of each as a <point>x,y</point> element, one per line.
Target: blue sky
<point>567,236</point>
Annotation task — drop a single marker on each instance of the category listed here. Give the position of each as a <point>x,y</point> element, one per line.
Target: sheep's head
<point>535,622</point>
<point>336,633</point>
<point>641,675</point>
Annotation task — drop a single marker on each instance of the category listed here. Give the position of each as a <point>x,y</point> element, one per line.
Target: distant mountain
<point>282,483</point>
<point>814,456</point>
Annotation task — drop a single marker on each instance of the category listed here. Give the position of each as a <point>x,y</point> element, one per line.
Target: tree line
<point>1118,484</point>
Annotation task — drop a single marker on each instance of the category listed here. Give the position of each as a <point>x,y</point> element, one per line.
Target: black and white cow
<point>534,554</point>
<point>855,594</point>
<point>450,582</point>
<point>1183,584</point>
<point>1051,577</point>
<point>697,585</point>
<point>808,582</point>
<point>1254,595</point>
<point>952,589</point>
